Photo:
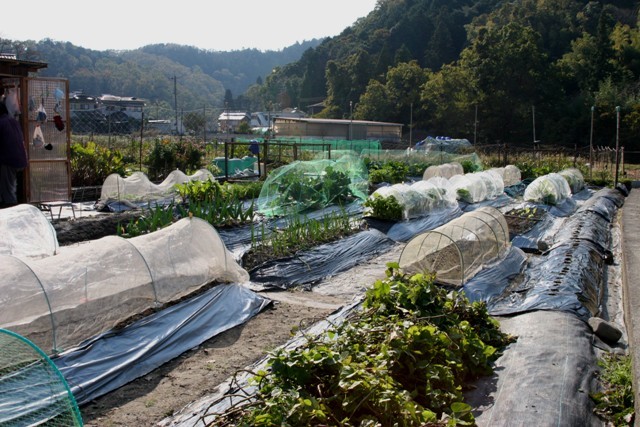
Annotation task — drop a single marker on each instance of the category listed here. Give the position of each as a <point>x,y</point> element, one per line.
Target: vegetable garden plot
<point>87,289</point>
<point>309,267</point>
<point>569,277</point>
<point>456,251</point>
<point>26,233</point>
<point>239,239</point>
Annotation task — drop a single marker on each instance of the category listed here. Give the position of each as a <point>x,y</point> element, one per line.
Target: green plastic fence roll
<point>32,389</point>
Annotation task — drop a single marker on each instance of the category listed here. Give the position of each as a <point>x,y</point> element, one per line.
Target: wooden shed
<point>42,109</point>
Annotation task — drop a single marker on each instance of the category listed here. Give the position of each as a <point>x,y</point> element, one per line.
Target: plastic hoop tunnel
<point>87,289</point>
<point>456,251</point>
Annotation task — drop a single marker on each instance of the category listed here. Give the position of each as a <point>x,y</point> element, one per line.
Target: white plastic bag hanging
<point>38,137</point>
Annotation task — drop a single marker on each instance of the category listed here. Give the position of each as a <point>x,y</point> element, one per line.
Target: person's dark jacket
<point>12,150</point>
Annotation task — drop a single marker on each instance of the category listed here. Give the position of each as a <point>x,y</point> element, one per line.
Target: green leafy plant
<point>402,360</point>
<point>615,403</point>
<point>154,219</point>
<point>308,191</point>
<point>464,195</point>
<point>167,155</point>
<point>92,163</point>
<point>392,172</point>
<point>385,208</point>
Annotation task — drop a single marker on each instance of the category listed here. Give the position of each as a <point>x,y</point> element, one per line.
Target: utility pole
<point>350,118</point>
<point>411,125</point>
<point>175,99</point>
<point>204,124</point>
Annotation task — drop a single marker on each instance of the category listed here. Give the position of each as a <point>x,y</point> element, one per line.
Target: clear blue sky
<point>219,25</point>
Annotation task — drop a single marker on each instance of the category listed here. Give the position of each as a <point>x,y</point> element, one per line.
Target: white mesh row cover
<point>26,232</point>
<point>574,179</point>
<point>89,288</point>
<point>549,189</point>
<point>456,251</point>
<point>138,187</point>
<point>421,197</point>
<point>446,170</point>
<point>478,186</point>
<point>510,174</point>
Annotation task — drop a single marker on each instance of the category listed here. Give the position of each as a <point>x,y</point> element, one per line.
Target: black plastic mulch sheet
<point>569,278</point>
<point>605,202</point>
<point>352,209</point>
<point>309,267</point>
<point>497,202</point>
<point>108,361</point>
<point>494,278</point>
<point>529,240</point>
<point>544,378</point>
<point>585,225</point>
<point>404,231</point>
<point>565,208</point>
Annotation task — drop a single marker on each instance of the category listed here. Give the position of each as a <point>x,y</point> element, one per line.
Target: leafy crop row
<point>402,360</point>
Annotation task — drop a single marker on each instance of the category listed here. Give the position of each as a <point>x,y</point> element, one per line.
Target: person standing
<point>13,157</point>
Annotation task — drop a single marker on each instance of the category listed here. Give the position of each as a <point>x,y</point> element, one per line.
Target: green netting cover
<point>315,184</point>
<point>33,392</point>
<point>456,251</point>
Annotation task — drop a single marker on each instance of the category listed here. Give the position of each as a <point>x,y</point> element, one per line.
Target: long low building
<point>337,129</point>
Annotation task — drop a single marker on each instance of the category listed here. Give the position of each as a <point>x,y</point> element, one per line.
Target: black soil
<point>92,227</point>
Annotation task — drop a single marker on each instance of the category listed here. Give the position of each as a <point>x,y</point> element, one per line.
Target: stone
<point>606,331</point>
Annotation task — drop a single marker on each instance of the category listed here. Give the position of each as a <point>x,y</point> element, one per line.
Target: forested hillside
<point>485,70</point>
<point>491,71</point>
<point>203,78</point>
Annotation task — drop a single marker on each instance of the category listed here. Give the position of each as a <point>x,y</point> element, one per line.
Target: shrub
<point>92,163</point>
